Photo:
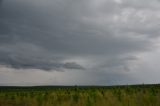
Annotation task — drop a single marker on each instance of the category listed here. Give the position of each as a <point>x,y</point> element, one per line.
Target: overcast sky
<point>79,42</point>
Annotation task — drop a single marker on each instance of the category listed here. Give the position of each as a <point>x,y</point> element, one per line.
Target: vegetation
<point>137,95</point>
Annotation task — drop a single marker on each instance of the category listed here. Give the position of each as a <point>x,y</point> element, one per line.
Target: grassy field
<point>137,95</point>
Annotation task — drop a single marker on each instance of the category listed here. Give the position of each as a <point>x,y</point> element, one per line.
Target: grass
<point>137,95</point>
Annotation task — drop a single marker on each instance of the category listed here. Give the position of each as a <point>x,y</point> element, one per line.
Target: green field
<point>135,95</point>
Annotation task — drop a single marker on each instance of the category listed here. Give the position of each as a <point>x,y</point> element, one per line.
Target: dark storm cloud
<point>27,56</point>
<point>43,34</point>
<point>72,65</point>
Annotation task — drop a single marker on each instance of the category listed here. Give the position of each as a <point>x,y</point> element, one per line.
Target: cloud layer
<point>107,36</point>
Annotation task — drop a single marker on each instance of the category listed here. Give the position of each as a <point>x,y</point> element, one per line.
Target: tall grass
<point>79,96</point>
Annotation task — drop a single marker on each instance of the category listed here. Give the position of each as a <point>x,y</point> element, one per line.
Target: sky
<point>79,42</point>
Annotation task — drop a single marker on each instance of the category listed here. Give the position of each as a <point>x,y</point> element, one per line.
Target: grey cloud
<point>4,29</point>
<point>24,63</point>
<point>22,56</point>
<point>42,34</point>
<point>119,61</point>
<point>73,65</point>
<point>143,4</point>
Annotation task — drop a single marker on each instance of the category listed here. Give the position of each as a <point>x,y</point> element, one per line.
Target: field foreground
<point>135,95</point>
